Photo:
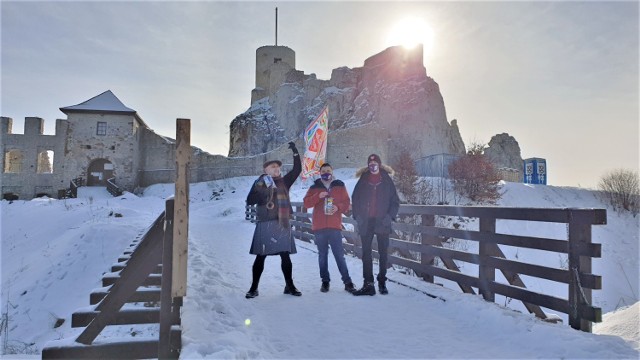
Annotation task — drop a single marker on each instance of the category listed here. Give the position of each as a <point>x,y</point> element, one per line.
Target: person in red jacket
<point>329,199</point>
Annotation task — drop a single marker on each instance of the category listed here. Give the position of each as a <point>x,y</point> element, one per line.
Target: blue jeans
<point>333,238</point>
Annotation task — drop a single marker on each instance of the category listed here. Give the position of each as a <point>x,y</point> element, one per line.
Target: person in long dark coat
<point>272,236</point>
<point>375,204</point>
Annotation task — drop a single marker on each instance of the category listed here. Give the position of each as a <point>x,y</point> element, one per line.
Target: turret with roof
<point>105,103</point>
<point>104,141</point>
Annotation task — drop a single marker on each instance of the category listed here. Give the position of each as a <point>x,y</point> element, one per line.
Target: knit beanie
<point>374,157</point>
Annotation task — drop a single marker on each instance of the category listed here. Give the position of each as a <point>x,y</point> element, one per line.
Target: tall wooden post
<point>427,260</point>
<point>486,273</point>
<point>579,297</point>
<point>181,211</point>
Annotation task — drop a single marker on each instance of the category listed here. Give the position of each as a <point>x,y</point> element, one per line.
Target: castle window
<point>102,128</point>
<point>45,162</point>
<point>13,161</point>
<point>276,60</point>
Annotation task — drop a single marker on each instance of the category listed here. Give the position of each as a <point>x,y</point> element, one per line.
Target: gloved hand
<point>292,146</point>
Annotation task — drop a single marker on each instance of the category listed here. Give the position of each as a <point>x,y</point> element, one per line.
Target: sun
<point>410,32</point>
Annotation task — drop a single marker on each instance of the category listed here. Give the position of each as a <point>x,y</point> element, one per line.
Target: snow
<point>106,101</point>
<point>54,253</point>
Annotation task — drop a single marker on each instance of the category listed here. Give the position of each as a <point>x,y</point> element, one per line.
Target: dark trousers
<point>367,258</point>
<point>285,265</point>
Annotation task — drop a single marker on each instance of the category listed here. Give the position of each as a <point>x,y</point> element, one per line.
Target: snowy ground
<point>55,251</point>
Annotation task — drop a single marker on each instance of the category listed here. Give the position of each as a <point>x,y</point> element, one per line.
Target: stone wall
<point>27,183</point>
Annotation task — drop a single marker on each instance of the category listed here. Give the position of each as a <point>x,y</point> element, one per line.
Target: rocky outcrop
<point>504,151</point>
<point>391,94</point>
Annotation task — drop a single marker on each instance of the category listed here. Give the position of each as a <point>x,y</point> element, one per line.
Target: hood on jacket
<point>384,167</point>
<point>336,182</point>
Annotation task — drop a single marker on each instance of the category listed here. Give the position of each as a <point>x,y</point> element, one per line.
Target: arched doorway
<point>99,171</point>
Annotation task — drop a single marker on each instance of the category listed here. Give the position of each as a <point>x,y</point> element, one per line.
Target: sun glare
<point>410,32</point>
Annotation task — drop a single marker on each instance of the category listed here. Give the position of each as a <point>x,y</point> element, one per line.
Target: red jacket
<point>340,197</point>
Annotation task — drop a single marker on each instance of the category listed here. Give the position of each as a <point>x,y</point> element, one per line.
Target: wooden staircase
<point>142,275</point>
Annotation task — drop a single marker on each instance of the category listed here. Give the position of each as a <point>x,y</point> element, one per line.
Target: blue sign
<point>535,171</point>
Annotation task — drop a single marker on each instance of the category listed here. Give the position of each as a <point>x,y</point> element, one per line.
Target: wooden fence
<point>419,234</point>
<point>112,188</point>
<point>74,184</point>
<point>142,275</point>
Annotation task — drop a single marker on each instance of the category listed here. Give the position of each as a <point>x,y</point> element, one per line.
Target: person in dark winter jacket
<point>329,199</point>
<point>375,206</point>
<point>272,236</point>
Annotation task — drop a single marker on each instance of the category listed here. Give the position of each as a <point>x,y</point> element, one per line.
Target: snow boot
<point>350,287</point>
<point>251,294</point>
<point>325,286</point>
<point>366,289</point>
<point>382,287</point>
<point>291,290</point>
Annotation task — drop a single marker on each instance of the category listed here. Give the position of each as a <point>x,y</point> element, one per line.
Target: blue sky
<point>561,77</point>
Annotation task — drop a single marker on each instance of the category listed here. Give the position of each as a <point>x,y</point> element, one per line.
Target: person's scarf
<point>282,202</point>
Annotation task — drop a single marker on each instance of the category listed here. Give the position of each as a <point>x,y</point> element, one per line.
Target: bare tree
<point>474,175</point>
<point>406,176</point>
<point>621,188</point>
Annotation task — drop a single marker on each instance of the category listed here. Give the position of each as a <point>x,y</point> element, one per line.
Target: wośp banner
<point>315,139</point>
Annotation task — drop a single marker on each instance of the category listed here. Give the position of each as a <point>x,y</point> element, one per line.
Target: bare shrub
<point>412,188</point>
<point>406,176</point>
<point>621,188</point>
<point>474,176</point>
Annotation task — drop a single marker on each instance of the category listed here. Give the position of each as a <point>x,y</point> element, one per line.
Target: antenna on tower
<point>276,26</point>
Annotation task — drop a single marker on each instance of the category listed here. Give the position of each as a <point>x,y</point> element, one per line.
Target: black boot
<point>350,287</point>
<point>291,290</point>
<point>366,289</point>
<point>325,286</point>
<point>251,293</point>
<point>382,287</point>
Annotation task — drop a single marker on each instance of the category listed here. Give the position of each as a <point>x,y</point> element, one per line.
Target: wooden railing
<point>419,233</point>
<point>132,280</point>
<point>112,188</point>
<point>74,184</point>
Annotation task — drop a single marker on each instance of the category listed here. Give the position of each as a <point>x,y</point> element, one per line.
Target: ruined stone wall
<point>26,182</point>
<point>349,148</point>
<point>158,162</point>
<point>346,148</point>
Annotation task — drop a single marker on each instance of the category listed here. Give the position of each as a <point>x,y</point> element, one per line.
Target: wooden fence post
<point>164,343</point>
<point>486,273</point>
<point>579,237</point>
<point>427,259</point>
<point>181,212</point>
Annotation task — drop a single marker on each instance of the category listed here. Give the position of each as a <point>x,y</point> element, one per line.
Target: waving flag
<point>315,139</point>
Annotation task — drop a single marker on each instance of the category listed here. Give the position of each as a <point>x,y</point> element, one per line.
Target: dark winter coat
<point>260,195</point>
<point>340,196</point>
<point>387,201</point>
<point>270,237</point>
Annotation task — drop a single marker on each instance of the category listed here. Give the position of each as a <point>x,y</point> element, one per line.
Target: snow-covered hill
<point>55,251</point>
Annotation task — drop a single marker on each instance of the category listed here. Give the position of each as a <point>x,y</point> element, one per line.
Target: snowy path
<point>404,324</point>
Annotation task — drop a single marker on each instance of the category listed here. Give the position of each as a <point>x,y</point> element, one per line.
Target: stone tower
<point>272,65</point>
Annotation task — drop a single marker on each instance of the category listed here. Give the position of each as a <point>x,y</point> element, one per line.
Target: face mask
<point>326,176</point>
<point>373,167</point>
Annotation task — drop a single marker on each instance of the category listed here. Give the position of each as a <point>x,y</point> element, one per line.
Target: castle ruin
<point>384,107</point>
